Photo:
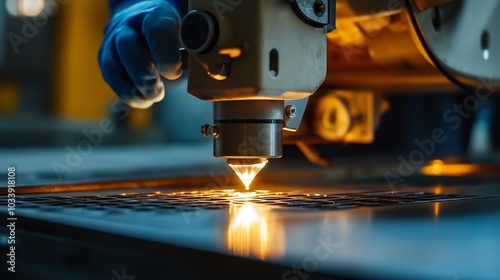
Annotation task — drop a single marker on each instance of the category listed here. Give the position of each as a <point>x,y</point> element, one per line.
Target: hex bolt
<point>291,111</point>
<point>319,8</point>
<point>210,130</point>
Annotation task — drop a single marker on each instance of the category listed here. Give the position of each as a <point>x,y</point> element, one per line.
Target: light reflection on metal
<point>231,52</point>
<point>128,194</point>
<point>247,172</point>
<point>255,231</point>
<point>438,189</point>
<point>439,168</point>
<point>486,54</point>
<point>244,194</point>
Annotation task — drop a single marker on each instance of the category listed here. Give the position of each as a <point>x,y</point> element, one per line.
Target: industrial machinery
<point>172,212</point>
<point>244,57</point>
<point>260,61</point>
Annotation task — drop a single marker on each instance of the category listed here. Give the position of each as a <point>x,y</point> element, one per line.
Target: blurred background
<point>51,85</point>
<point>53,102</point>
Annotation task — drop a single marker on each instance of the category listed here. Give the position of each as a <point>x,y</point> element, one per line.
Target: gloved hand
<point>140,45</point>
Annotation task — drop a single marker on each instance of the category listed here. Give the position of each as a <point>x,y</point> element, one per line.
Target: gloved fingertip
<point>172,74</point>
<point>139,103</point>
<point>158,93</point>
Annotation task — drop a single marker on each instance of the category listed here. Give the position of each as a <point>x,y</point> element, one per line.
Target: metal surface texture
<point>249,140</point>
<point>431,232</point>
<point>220,199</point>
<point>249,110</point>
<point>460,39</point>
<point>292,123</point>
<point>314,12</point>
<point>249,129</point>
<point>248,52</point>
<point>199,32</point>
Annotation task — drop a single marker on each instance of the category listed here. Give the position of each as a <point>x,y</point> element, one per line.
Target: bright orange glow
<point>247,172</point>
<point>438,189</point>
<point>253,230</point>
<point>244,194</point>
<point>439,168</point>
<point>231,52</point>
<point>436,167</point>
<point>436,209</point>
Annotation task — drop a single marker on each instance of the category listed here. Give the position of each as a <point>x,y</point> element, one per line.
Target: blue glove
<point>140,45</point>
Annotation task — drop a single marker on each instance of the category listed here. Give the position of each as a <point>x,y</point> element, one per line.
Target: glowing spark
<point>245,194</point>
<point>247,172</point>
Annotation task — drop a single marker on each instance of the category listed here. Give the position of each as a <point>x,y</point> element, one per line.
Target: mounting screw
<point>319,8</point>
<point>291,111</point>
<point>210,130</point>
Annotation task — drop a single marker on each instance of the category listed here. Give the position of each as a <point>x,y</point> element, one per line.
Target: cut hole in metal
<point>319,8</point>
<point>207,200</point>
<point>485,45</point>
<point>273,63</point>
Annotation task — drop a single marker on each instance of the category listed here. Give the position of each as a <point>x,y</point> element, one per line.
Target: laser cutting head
<point>258,61</point>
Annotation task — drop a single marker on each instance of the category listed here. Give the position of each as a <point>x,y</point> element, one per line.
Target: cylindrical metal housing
<point>249,140</point>
<point>249,129</point>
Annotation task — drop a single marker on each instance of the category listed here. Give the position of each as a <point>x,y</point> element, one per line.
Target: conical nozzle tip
<point>247,170</point>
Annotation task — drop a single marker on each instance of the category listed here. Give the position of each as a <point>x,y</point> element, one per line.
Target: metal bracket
<point>317,13</point>
<point>292,121</point>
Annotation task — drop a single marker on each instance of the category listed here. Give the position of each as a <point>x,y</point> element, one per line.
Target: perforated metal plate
<point>189,201</point>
